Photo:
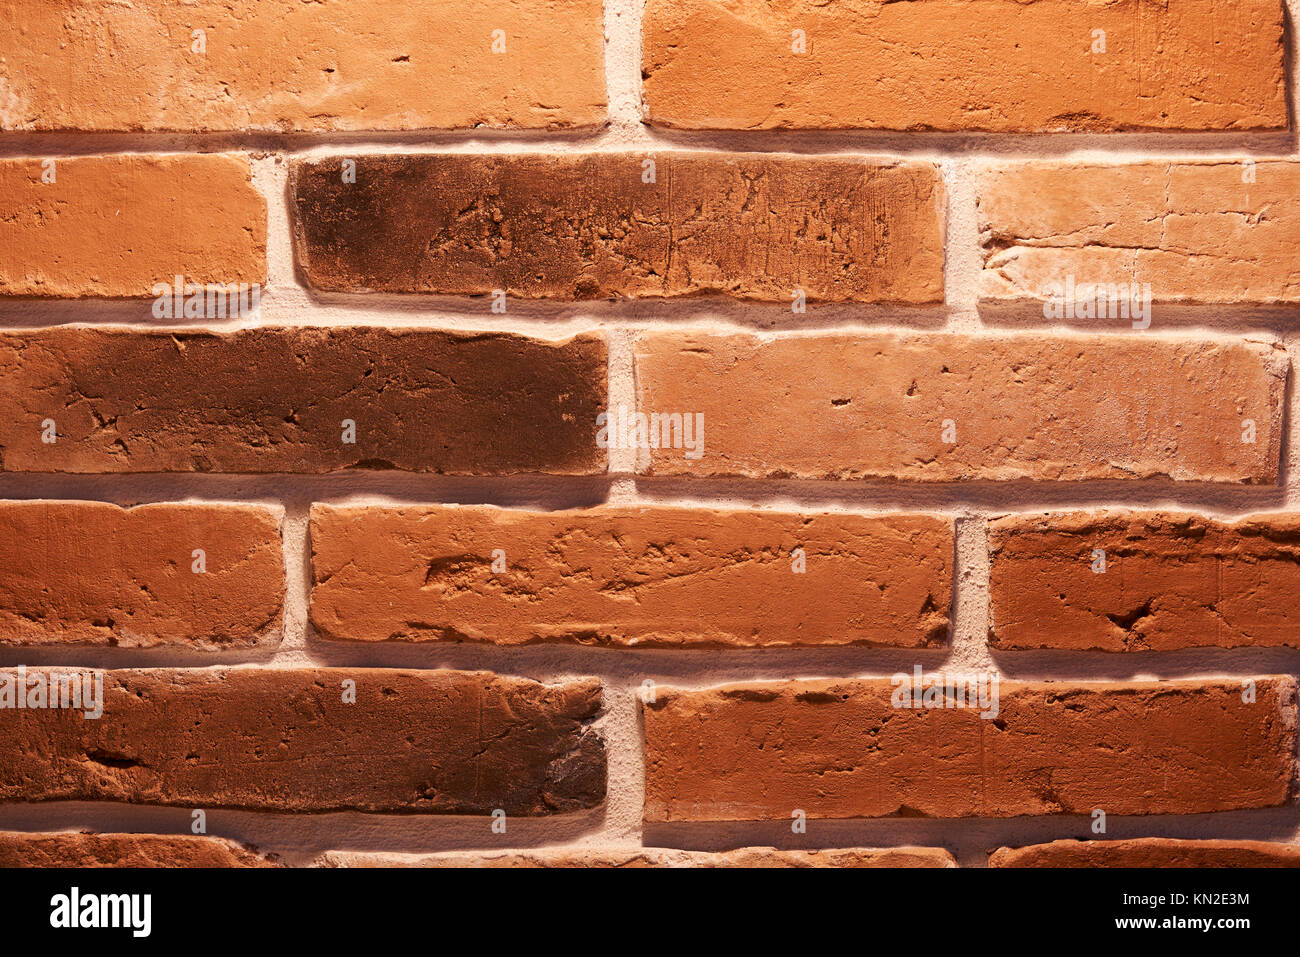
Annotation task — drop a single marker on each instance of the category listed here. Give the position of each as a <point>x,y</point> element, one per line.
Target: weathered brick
<point>1199,233</point>
<point>877,406</point>
<point>1149,852</point>
<point>639,857</point>
<point>287,65</point>
<point>1164,581</point>
<point>958,65</point>
<point>276,400</point>
<point>751,226</point>
<point>99,574</point>
<point>627,577</point>
<point>71,849</point>
<point>115,226</point>
<point>840,749</point>
<point>433,742</point>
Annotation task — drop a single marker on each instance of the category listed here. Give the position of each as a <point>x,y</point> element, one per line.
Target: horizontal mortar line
<point>435,314</point>
<point>20,144</point>
<point>377,489</point>
<point>631,135</point>
<point>420,311</point>
<point>624,669</point>
<point>298,836</point>
<point>982,145</point>
<point>985,496</point>
<point>972,838</point>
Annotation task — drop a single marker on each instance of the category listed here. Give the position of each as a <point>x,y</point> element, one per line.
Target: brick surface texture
<point>649,433</point>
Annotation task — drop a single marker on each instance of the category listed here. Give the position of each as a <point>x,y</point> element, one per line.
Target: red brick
<point>1046,408</point>
<point>1171,580</point>
<point>642,857</point>
<point>629,577</point>
<point>1211,233</point>
<point>20,849</point>
<point>431,742</point>
<point>749,225</point>
<point>324,65</point>
<point>1149,852</point>
<point>840,749</point>
<point>275,400</point>
<point>114,226</point>
<point>998,65</point>
<point>95,573</point>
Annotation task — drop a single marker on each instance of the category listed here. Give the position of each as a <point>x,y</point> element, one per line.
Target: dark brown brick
<point>751,226</point>
<point>275,399</point>
<point>431,742</point>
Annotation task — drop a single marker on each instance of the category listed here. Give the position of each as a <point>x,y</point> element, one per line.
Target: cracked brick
<point>1200,233</point>
<point>1171,580</point>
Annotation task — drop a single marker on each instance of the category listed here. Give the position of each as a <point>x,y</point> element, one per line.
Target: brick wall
<point>967,327</point>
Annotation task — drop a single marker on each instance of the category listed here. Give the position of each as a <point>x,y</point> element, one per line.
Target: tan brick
<point>115,226</point>
<point>431,742</point>
<point>276,400</point>
<point>841,749</point>
<point>1169,581</point>
<point>99,574</point>
<point>1048,408</point>
<point>1149,852</point>
<point>959,65</point>
<point>287,65</point>
<point>20,849</point>
<point>630,577</point>
<point>750,226</point>
<point>1199,233</point>
<point>642,857</point>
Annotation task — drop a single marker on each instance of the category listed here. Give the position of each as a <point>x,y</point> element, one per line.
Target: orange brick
<point>841,749</point>
<point>20,849</point>
<point>645,857</point>
<point>1046,408</point>
<point>1217,233</point>
<point>629,577</point>
<point>958,65</point>
<point>210,576</point>
<point>1162,581</point>
<point>1149,852</point>
<point>287,65</point>
<point>115,226</point>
